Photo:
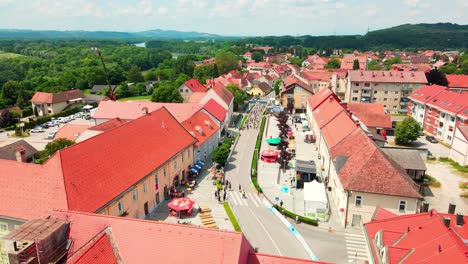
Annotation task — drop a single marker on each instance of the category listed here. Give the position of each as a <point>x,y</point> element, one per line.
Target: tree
<point>226,61</point>
<point>407,131</point>
<point>167,93</point>
<point>356,64</point>
<point>221,153</point>
<point>333,63</point>
<point>203,72</point>
<point>276,87</point>
<point>373,65</point>
<point>215,71</point>
<point>239,95</point>
<point>7,118</point>
<point>122,91</point>
<point>257,56</point>
<point>151,76</point>
<point>134,75</point>
<point>436,77</point>
<point>53,147</point>
<point>9,92</point>
<point>181,79</point>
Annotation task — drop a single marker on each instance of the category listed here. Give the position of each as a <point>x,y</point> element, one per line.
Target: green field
<point>8,55</point>
<point>135,98</point>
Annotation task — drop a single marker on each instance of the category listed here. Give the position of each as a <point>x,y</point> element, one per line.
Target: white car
<point>51,135</point>
<point>37,129</point>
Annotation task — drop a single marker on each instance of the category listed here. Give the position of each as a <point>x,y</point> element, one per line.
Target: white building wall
<point>459,150</point>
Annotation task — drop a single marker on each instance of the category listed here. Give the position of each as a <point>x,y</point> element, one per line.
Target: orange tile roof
<point>194,85</point>
<point>133,110</point>
<point>426,93</point>
<point>260,258</point>
<point>338,128</point>
<point>421,238</point>
<point>289,81</point>
<point>52,98</point>
<point>108,164</point>
<point>418,77</point>
<point>108,125</point>
<point>70,131</point>
<point>215,109</point>
<point>451,102</point>
<point>457,81</point>
<point>196,97</point>
<point>320,97</point>
<point>371,114</point>
<point>223,93</point>
<point>99,251</point>
<point>201,126</point>
<point>382,213</point>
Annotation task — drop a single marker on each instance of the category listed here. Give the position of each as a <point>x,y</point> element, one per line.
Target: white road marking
<point>253,199</point>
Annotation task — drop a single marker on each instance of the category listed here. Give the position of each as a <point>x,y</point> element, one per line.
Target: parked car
<point>88,117</point>
<point>431,139</point>
<point>51,135</point>
<point>37,129</point>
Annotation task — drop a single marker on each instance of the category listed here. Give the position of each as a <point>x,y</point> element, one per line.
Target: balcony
<point>402,103</point>
<point>403,111</point>
<point>367,88</point>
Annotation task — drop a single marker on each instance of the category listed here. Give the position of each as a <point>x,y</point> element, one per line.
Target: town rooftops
<point>381,214</point>
<point>426,93</point>
<point>324,76</point>
<point>71,131</point>
<point>419,238</point>
<point>108,164</point>
<point>371,114</point>
<point>108,125</point>
<point>290,82</point>
<point>320,97</point>
<point>451,102</point>
<point>216,110</point>
<point>201,126</point>
<point>457,81</point>
<point>194,85</point>
<point>264,87</point>
<point>409,159</point>
<point>96,236</point>
<point>52,98</point>
<point>223,93</point>
<point>387,76</point>
<point>8,152</point>
<point>133,110</point>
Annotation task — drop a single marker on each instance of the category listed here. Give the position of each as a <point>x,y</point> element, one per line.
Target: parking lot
<point>40,140</point>
<point>437,149</point>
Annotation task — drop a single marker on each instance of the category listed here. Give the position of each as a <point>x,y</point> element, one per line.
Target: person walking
<point>224,196</point>
<point>229,186</point>
<point>281,203</point>
<point>240,188</point>
<point>219,198</point>
<point>216,194</point>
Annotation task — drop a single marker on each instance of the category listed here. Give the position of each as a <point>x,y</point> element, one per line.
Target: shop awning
<point>201,163</point>
<point>197,166</point>
<point>194,170</point>
<point>273,141</point>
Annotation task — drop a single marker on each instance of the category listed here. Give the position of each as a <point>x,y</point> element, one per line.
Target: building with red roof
<point>390,88</point>
<point>189,87</point>
<point>131,173</point>
<point>359,175</point>
<point>314,62</point>
<point>223,97</point>
<point>294,93</point>
<point>412,67</point>
<point>247,55</point>
<point>457,83</point>
<point>206,131</point>
<point>439,110</point>
<point>94,238</point>
<point>430,237</point>
<point>347,62</point>
<point>54,103</point>
<point>372,115</point>
<point>71,131</point>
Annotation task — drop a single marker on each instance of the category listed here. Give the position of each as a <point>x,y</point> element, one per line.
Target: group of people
<point>255,116</point>
<point>227,185</point>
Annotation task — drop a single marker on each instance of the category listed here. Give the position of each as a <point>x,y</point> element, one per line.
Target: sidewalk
<point>203,195</point>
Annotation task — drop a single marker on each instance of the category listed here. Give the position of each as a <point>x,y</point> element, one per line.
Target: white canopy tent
<point>87,107</point>
<point>315,198</point>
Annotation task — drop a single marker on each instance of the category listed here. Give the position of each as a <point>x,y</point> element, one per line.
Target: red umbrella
<point>181,204</point>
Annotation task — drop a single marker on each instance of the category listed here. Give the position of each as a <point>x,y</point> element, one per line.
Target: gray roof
<point>305,166</point>
<point>406,158</point>
<point>8,152</point>
<point>97,88</point>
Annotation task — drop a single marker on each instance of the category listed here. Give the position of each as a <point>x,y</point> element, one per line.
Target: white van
<point>305,126</point>
<point>303,118</point>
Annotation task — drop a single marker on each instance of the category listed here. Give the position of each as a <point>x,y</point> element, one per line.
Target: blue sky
<point>234,17</point>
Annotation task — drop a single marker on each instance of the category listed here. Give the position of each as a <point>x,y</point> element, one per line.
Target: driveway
<point>449,192</point>
<point>438,150</point>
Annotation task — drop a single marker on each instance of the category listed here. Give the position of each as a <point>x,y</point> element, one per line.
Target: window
<point>452,119</point>
<point>441,124</point>
<point>181,90</point>
<point>145,187</point>
<point>395,99</point>
<point>356,84</point>
<point>420,115</point>
<point>376,84</point>
<point>402,206</point>
<point>375,99</point>
<point>156,182</point>
<point>135,195</point>
<point>188,154</point>
<point>48,104</point>
<point>49,111</point>
<point>186,90</point>
<point>462,122</point>
<point>355,91</point>
<point>120,206</point>
<point>439,133</point>
<point>164,172</point>
<point>354,99</point>
<point>175,164</point>
<point>443,115</point>
<point>375,92</point>
<point>394,107</point>
<point>386,92</point>
<point>449,137</point>
<point>358,201</point>
<point>366,84</point>
<point>385,99</point>
<point>397,92</point>
<point>3,227</point>
<point>183,156</point>
<point>385,106</point>
<point>430,109</point>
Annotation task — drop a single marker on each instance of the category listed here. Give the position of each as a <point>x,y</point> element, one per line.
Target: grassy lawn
<point>134,98</point>
<point>7,55</point>
<point>433,182</point>
<point>87,91</point>
<point>455,165</point>
<point>233,219</point>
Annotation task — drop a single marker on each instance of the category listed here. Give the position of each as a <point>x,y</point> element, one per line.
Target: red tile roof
<point>338,128</point>
<point>464,131</point>
<point>371,114</point>
<point>201,126</point>
<point>412,67</point>
<point>320,97</point>
<point>327,111</point>
<point>347,62</point>
<point>457,81</point>
<point>260,258</point>
<point>223,93</point>
<point>215,109</point>
<point>290,82</point>
<point>108,164</point>
<point>324,76</point>
<point>195,98</point>
<point>98,251</point>
<point>70,131</point>
<point>420,238</point>
<point>108,125</point>
<point>194,85</point>
<point>451,102</point>
<point>133,110</point>
<point>387,76</point>
<point>52,98</point>
<point>381,214</point>
<point>367,169</point>
<point>426,93</point>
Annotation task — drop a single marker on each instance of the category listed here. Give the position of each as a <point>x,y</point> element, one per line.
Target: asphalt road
<point>261,227</point>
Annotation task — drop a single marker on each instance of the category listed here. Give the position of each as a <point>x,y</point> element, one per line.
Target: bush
<point>433,182</point>
<point>455,165</point>
<point>243,121</point>
<point>231,216</point>
<point>293,216</point>
<point>258,144</point>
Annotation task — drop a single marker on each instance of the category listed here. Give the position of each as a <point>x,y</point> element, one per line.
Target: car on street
<point>37,129</point>
<point>51,135</point>
<point>431,139</point>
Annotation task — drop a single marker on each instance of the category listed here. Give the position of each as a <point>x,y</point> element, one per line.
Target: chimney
<point>439,249</point>
<point>20,154</point>
<point>459,219</point>
<point>447,221</point>
<point>390,73</point>
<point>451,209</point>
<point>371,136</point>
<point>425,208</point>
<point>145,110</point>
<point>199,129</point>
<point>358,124</point>
<point>208,124</point>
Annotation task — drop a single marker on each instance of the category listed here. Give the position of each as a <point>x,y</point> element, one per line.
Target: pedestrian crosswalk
<point>235,198</point>
<point>356,247</point>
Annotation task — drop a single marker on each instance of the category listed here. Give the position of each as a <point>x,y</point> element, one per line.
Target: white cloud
<point>162,10</point>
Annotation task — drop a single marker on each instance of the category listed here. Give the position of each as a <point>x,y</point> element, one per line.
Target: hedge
<point>258,144</point>
<point>231,216</point>
<point>293,216</point>
<point>243,121</point>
